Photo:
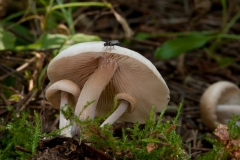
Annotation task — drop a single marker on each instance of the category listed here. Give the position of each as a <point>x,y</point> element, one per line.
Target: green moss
<point>20,132</point>
<point>154,140</point>
<point>157,140</point>
<point>234,130</point>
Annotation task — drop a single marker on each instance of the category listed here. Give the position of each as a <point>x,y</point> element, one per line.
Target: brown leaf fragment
<point>222,132</point>
<point>229,144</point>
<point>235,145</point>
<point>236,142</point>
<point>172,127</point>
<point>150,147</point>
<point>62,29</point>
<point>235,154</point>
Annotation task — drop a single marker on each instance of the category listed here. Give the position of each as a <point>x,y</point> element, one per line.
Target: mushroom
<point>102,72</point>
<point>218,103</point>
<point>59,94</point>
<point>126,105</point>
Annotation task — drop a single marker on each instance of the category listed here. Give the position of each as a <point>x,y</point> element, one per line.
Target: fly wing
<point>114,42</point>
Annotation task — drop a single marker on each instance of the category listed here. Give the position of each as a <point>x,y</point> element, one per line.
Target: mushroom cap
<point>135,75</point>
<point>219,93</point>
<point>53,92</point>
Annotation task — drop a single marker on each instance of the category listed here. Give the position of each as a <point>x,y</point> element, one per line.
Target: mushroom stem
<point>93,88</point>
<point>127,104</point>
<point>61,93</point>
<point>63,122</point>
<point>117,113</point>
<point>225,112</point>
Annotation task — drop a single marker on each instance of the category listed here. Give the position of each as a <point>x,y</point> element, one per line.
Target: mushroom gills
<point>92,90</point>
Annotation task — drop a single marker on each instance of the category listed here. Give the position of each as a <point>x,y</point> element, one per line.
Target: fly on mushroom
<point>111,43</point>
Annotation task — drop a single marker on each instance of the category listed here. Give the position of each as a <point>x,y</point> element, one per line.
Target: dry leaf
<point>222,132</point>
<point>236,142</point>
<point>150,147</point>
<point>62,29</point>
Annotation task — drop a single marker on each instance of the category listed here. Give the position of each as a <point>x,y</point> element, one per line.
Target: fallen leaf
<point>236,142</point>
<point>222,132</point>
<point>150,147</point>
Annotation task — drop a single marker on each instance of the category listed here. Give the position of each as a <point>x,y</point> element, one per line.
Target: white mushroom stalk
<point>225,112</point>
<point>61,93</point>
<point>93,88</point>
<point>63,122</point>
<point>127,104</point>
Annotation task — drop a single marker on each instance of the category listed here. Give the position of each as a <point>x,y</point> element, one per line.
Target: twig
<point>20,148</point>
<point>25,65</point>
<point>128,31</point>
<point>28,100</point>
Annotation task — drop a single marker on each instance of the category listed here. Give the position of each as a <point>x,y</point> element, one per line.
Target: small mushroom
<point>218,103</point>
<point>59,94</point>
<point>101,73</point>
<point>127,105</point>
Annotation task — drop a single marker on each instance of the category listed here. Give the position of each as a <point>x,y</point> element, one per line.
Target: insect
<point>111,43</point>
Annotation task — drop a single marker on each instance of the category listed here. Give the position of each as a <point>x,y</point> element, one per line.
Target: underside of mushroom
<point>92,89</point>
<point>101,73</point>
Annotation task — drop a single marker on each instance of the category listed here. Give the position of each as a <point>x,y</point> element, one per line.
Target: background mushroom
<point>218,103</point>
<point>59,94</point>
<point>101,73</point>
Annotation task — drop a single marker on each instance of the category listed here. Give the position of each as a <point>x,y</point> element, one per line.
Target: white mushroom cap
<point>218,103</point>
<point>134,75</point>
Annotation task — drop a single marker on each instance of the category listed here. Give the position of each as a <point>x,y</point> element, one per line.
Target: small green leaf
<point>51,41</point>
<point>56,41</point>
<point>143,36</point>
<point>174,47</point>
<point>15,97</point>
<point>226,61</point>
<point>46,41</point>
<point>7,39</point>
